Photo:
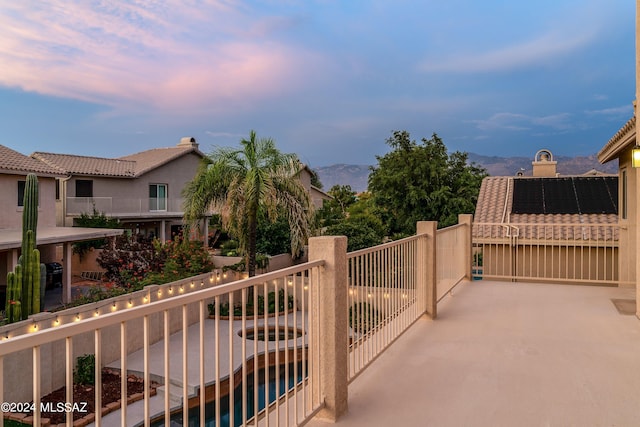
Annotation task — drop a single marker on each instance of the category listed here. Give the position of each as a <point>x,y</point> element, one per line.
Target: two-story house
<point>14,168</point>
<point>142,190</point>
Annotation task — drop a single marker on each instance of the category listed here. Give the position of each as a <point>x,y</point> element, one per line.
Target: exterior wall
<point>628,225</point>
<point>11,214</point>
<point>130,196</point>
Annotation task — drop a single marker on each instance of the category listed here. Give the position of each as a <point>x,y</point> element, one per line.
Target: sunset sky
<point>327,79</point>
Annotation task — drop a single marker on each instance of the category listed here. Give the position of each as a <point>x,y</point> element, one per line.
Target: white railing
<point>451,244</point>
<point>340,312</point>
<point>569,253</point>
<point>114,206</point>
<point>386,295</point>
<point>192,363</point>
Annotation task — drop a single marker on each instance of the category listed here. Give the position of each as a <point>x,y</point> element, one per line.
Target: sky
<point>329,80</point>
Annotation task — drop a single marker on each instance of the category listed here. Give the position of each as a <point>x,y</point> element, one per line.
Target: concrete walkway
<point>508,354</point>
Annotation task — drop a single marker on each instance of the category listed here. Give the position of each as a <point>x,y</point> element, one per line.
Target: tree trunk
<point>253,237</point>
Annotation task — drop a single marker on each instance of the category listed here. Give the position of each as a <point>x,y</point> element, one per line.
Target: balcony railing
<point>564,253</point>
<point>116,206</point>
<point>386,295</point>
<point>330,317</point>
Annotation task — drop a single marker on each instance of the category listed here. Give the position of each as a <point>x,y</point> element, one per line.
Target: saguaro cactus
<point>23,284</point>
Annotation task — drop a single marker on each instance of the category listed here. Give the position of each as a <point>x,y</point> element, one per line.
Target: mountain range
<point>357,175</point>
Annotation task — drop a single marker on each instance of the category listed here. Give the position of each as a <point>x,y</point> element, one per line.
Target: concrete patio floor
<point>508,354</point>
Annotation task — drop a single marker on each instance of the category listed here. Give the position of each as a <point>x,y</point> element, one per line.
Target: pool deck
<point>508,354</point>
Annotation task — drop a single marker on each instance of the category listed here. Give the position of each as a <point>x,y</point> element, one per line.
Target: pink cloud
<point>125,55</point>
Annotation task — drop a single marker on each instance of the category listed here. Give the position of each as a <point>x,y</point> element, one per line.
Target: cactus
<point>23,284</point>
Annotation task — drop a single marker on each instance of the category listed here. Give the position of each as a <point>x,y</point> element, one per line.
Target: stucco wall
<point>628,226</point>
<point>11,214</point>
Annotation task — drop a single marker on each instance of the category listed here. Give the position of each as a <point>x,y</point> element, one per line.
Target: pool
<point>281,333</point>
<point>295,376</point>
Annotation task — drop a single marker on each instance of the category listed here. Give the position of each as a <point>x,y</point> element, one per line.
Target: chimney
<point>543,164</point>
<point>188,141</point>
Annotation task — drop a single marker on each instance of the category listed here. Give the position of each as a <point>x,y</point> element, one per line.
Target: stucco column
<point>467,220</point>
<point>12,260</point>
<point>636,220</point>
<point>163,231</point>
<point>334,337</point>
<point>427,255</point>
<point>66,272</point>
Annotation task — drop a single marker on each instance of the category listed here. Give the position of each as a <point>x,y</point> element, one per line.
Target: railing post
<point>467,220</point>
<point>333,323</point>
<point>427,256</point>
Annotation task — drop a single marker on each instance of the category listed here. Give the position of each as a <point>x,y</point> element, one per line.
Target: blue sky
<point>327,79</point>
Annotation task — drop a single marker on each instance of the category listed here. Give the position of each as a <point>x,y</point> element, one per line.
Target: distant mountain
<point>509,166</point>
<point>357,175</point>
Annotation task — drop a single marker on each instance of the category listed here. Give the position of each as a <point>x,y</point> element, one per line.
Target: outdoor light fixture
<point>635,156</point>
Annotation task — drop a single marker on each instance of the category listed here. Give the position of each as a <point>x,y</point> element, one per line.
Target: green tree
<point>335,210</point>
<point>94,220</point>
<point>422,181</point>
<point>242,182</point>
<point>359,234</point>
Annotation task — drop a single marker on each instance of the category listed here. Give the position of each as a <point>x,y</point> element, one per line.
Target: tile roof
<point>150,159</point>
<point>85,165</point>
<point>625,137</point>
<point>493,217</point>
<point>130,166</point>
<point>12,162</point>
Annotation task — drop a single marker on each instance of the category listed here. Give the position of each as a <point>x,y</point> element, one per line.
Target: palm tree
<point>241,182</point>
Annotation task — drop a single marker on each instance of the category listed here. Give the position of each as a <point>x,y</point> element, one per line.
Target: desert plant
<point>23,284</point>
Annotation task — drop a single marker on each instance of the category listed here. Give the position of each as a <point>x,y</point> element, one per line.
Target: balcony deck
<point>507,354</point>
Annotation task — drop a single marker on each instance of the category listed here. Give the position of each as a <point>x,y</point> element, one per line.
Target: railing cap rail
<point>45,336</point>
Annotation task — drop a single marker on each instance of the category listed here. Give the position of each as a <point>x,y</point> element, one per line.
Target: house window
<point>623,210</point>
<point>21,185</point>
<point>157,197</point>
<point>84,188</point>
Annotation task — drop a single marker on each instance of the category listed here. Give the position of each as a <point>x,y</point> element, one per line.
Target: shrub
<point>85,372</point>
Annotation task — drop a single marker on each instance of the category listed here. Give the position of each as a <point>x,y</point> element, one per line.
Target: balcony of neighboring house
<point>125,207</point>
<point>397,334</point>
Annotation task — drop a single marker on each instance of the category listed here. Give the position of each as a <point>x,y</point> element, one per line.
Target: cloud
<point>613,112</point>
<point>534,52</point>
<point>171,55</point>
<point>523,122</point>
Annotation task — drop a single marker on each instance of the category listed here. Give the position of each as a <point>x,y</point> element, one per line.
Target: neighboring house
<point>548,227</point>
<point>620,147</point>
<point>142,190</point>
<point>14,168</point>
<point>317,195</point>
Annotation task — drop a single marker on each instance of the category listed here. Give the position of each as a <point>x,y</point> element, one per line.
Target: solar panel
<point>527,196</point>
<point>566,195</point>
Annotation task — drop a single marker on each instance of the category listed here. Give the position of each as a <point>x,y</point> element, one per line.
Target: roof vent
<point>188,141</point>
